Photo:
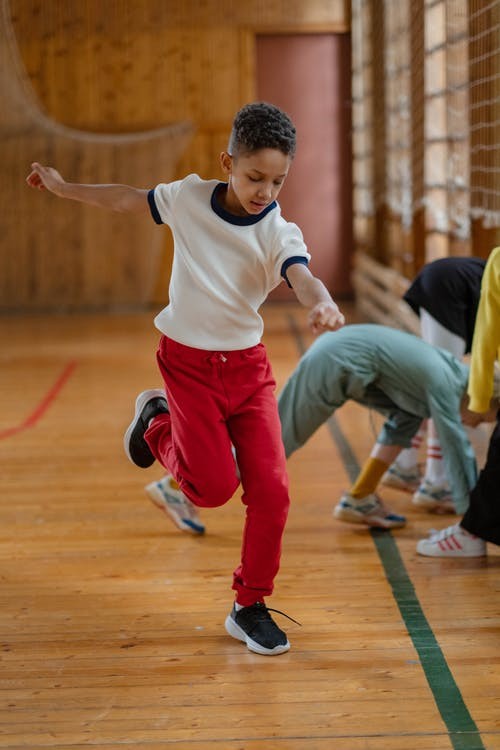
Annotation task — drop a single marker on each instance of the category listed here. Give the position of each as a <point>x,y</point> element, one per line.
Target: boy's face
<point>254,179</point>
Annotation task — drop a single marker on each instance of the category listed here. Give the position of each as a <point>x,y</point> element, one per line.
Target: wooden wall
<point>128,67</point>
<point>138,64</point>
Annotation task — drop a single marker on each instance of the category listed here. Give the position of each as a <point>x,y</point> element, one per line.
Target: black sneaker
<point>254,626</point>
<point>148,405</point>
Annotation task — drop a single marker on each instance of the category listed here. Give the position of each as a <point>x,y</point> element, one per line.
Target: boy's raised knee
<point>215,493</point>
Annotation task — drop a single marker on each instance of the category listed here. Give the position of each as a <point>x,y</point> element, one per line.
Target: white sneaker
<point>406,480</point>
<point>168,497</point>
<point>434,498</point>
<point>454,541</point>
<point>368,510</point>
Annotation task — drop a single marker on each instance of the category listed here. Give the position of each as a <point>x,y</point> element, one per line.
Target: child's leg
<point>404,472</point>
<point>255,430</point>
<point>203,467</point>
<point>407,460</point>
<point>373,469</point>
<point>216,398</point>
<point>360,504</point>
<point>483,515</point>
<point>437,335</point>
<point>192,440</point>
<point>435,471</point>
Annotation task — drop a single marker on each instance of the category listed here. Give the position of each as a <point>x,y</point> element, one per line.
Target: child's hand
<point>325,316</point>
<point>43,178</point>
<point>471,418</point>
<point>474,419</point>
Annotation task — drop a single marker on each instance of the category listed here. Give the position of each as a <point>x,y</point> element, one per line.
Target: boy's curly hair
<point>262,125</point>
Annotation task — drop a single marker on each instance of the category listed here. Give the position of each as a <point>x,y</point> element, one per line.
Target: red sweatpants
<point>216,399</point>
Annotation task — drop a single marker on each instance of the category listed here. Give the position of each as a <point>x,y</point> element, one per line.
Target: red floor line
<point>44,404</point>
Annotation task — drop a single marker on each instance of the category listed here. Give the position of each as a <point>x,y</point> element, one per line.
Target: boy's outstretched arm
<point>324,314</point>
<point>121,198</point>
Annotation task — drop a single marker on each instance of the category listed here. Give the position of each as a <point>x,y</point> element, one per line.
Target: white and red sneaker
<point>454,541</point>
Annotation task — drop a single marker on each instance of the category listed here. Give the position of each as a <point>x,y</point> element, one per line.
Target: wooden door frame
<point>248,48</point>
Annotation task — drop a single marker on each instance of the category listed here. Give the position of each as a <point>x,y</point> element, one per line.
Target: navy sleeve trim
<point>152,207</point>
<point>290,262</point>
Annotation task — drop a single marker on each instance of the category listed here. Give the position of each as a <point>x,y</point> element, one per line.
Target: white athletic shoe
<point>168,497</point>
<point>368,510</point>
<point>454,541</point>
<point>434,498</point>
<point>405,480</point>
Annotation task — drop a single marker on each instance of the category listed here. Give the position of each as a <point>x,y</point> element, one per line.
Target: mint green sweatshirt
<point>394,373</point>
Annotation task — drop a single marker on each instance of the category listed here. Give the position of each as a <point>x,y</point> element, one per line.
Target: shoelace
<point>265,609</point>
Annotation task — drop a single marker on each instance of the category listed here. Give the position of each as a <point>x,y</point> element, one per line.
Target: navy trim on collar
<point>152,207</point>
<point>241,221</point>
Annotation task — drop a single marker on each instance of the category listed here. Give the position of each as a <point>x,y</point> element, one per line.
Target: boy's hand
<point>325,316</point>
<point>45,178</point>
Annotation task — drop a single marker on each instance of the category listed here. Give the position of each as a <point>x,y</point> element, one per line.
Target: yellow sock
<point>368,478</point>
<point>173,484</point>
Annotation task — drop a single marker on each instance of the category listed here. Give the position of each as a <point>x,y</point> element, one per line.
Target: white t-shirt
<point>224,265</point>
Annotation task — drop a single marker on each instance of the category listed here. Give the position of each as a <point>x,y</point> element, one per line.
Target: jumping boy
<point>231,248</point>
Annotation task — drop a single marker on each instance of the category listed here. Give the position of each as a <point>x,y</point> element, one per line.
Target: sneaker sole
<point>144,460</point>
<point>156,497</point>
<point>351,516</point>
<point>234,630</point>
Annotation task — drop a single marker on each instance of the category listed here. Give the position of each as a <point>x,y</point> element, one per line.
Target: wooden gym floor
<point>112,630</point>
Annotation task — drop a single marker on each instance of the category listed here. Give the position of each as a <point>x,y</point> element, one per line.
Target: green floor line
<point>462,730</point>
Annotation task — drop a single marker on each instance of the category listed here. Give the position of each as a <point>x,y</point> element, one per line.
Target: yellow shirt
<point>486,341</point>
